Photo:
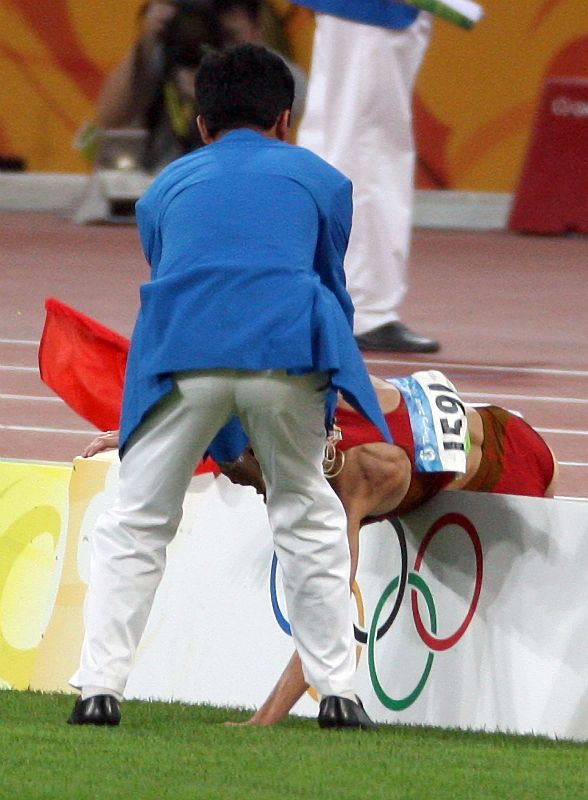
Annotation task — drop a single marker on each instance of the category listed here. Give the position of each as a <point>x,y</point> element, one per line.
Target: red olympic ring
<point>434,642</point>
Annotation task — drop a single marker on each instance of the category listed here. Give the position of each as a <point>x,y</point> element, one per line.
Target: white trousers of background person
<point>284,417</point>
<point>358,117</point>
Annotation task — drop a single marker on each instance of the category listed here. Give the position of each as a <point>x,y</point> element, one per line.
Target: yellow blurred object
<point>33,513</point>
<point>58,656</point>
<point>87,140</point>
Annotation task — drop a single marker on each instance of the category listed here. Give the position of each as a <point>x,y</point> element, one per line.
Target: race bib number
<point>438,421</point>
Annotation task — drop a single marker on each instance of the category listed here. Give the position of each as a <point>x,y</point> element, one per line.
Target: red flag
<point>84,363</point>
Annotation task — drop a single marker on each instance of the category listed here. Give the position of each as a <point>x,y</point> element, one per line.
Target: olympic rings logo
<point>398,585</point>
<point>415,580</point>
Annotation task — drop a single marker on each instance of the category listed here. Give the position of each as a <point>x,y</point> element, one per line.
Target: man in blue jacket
<point>245,316</point>
<point>358,116</point>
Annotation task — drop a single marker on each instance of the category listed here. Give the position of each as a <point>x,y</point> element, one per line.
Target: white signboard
<point>472,612</point>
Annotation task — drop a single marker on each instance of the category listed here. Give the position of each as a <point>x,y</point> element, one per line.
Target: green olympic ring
<point>414,579</point>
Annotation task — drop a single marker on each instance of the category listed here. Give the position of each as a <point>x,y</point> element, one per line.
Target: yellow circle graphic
<point>23,603</point>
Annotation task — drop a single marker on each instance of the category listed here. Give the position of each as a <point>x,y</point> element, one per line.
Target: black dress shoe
<point>397,338</point>
<point>339,712</point>
<point>102,709</point>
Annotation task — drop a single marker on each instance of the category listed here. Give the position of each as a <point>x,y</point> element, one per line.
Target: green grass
<point>179,751</point>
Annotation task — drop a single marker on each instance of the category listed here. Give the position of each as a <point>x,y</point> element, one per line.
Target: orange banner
<point>475,103</point>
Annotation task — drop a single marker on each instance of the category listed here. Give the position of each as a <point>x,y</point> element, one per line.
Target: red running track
<point>509,310</point>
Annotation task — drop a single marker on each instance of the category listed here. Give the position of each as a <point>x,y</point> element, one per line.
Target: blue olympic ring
<point>282,621</point>
<point>361,635</point>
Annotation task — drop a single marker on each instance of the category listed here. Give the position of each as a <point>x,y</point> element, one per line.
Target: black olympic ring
<point>361,636</point>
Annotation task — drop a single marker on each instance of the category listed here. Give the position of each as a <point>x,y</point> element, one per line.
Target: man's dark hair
<point>245,86</point>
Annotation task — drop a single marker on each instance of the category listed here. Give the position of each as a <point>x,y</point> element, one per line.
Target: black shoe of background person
<point>339,712</point>
<point>396,338</point>
<point>102,709</point>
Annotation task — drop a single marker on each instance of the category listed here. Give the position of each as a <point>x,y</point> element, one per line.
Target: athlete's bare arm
<point>373,481</point>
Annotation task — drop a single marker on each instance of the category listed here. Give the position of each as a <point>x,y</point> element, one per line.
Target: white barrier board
<point>498,639</point>
<point>473,611</point>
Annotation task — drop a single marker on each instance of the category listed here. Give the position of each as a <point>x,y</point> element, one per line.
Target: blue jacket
<point>245,238</point>
<point>384,13</point>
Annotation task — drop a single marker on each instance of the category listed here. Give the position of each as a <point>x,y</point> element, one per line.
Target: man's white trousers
<point>358,117</point>
<point>284,417</point>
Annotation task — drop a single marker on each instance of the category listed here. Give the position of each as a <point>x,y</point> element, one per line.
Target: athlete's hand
<point>104,441</point>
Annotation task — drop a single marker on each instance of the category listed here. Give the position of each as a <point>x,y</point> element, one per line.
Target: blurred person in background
<point>358,117</point>
<point>153,87</point>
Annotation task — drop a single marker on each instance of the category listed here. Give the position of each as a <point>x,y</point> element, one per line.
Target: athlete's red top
<point>515,459</point>
<point>358,430</point>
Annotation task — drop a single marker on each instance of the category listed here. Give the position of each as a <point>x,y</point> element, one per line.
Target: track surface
<point>510,311</point>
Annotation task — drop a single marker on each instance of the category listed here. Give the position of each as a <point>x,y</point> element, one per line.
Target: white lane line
<point>392,361</point>
<point>478,395</point>
<point>577,373</point>
<point>32,397</point>
<point>573,463</point>
<point>563,431</point>
<point>31,429</point>
<point>30,342</point>
<point>473,395</point>
<point>15,368</point>
<point>529,397</point>
<point>89,430</point>
<point>565,497</point>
